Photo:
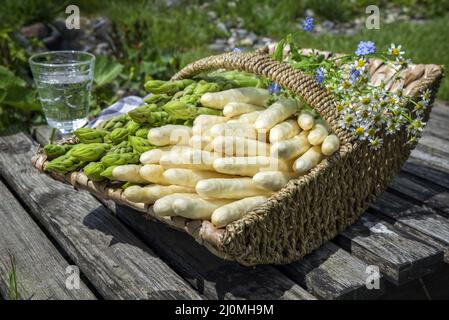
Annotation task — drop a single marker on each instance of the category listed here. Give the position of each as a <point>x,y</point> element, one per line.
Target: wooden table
<point>45,226</point>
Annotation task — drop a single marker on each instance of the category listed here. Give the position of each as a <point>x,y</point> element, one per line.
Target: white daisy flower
<point>396,51</point>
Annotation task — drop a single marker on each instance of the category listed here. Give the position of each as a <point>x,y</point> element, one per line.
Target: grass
<point>13,283</point>
<point>184,32</point>
<point>423,43</point>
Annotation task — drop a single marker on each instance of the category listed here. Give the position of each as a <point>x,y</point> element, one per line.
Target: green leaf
<point>106,70</point>
<point>278,52</point>
<point>8,78</point>
<point>2,94</point>
<point>22,98</point>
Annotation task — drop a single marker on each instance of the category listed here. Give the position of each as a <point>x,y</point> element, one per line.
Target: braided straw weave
<point>312,209</point>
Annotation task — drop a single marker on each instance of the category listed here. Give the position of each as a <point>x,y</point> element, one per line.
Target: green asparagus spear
<point>122,147</point>
<point>64,164</point>
<point>107,173</point>
<point>132,127</point>
<point>56,150</point>
<point>118,135</point>
<point>157,99</point>
<point>140,145</point>
<point>167,87</point>
<point>117,159</point>
<point>89,135</point>
<point>142,132</point>
<point>93,171</point>
<point>89,152</point>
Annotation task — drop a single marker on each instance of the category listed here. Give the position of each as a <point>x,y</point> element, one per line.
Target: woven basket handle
<point>262,64</point>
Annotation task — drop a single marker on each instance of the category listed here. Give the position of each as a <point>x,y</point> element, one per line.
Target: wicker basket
<point>312,209</point>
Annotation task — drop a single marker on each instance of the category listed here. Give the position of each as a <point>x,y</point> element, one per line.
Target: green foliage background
<point>154,39</point>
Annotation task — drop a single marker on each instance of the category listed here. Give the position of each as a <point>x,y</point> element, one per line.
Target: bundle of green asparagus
<point>122,139</point>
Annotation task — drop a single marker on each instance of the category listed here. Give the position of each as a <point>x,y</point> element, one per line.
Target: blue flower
<point>365,47</point>
<point>274,88</point>
<point>307,24</point>
<point>354,75</point>
<point>236,50</point>
<point>319,75</point>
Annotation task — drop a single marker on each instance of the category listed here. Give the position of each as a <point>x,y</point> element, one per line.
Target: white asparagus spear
<point>149,194</point>
<point>284,130</point>
<point>308,160</point>
<point>190,159</point>
<point>169,134</point>
<point>240,146</point>
<point>202,142</point>
<point>128,172</point>
<point>232,188</point>
<point>154,155</point>
<point>189,177</point>
<point>218,100</point>
<point>163,206</point>
<point>306,119</point>
<point>330,145</point>
<point>153,173</point>
<point>249,166</point>
<point>273,180</point>
<point>277,112</point>
<point>317,134</point>
<point>249,117</point>
<point>208,120</point>
<point>291,148</point>
<point>237,129</point>
<point>196,208</point>
<point>228,213</point>
<point>233,109</point>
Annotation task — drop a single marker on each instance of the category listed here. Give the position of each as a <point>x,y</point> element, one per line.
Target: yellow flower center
<point>346,85</point>
<point>395,52</point>
<point>375,142</point>
<point>340,107</point>
<point>366,100</point>
<point>359,131</point>
<point>360,63</point>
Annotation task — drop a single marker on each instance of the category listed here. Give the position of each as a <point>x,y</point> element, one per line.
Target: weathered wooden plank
<point>117,263</point>
<point>419,190</point>
<point>436,144</point>
<point>213,277</point>
<point>430,157</point>
<point>441,110</point>
<point>437,124</point>
<point>430,174</point>
<point>40,268</point>
<point>332,273</point>
<point>430,287</point>
<point>41,134</point>
<point>415,219</point>
<point>399,257</point>
<point>432,148</point>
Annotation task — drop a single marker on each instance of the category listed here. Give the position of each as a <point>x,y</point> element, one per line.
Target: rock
<point>218,47</point>
<point>247,42</point>
<point>232,41</point>
<point>309,13</point>
<point>36,30</point>
<point>222,28</point>
<point>328,25</point>
<point>212,15</point>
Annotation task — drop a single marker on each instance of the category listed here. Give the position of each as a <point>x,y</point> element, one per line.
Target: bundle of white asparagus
<point>224,166</point>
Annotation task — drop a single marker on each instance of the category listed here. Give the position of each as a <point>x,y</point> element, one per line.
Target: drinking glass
<point>64,81</point>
